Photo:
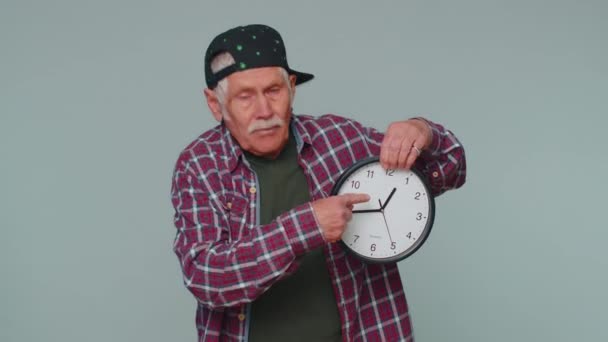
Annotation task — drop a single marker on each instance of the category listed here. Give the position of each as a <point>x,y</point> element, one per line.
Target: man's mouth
<point>266,130</point>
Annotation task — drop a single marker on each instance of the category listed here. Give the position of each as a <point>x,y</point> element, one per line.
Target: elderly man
<point>256,224</point>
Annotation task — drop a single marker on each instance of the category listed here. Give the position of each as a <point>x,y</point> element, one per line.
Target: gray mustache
<point>275,121</point>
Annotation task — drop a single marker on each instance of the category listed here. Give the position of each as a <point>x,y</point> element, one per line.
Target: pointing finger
<point>355,198</point>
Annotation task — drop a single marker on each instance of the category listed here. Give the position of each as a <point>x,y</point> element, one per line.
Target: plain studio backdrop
<point>97,98</point>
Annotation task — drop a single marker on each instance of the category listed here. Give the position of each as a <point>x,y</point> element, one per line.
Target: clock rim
<point>426,231</point>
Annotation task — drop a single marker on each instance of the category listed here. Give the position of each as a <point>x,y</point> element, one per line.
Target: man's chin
<point>267,145</point>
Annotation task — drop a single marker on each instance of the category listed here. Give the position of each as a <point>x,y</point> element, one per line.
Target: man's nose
<point>264,109</point>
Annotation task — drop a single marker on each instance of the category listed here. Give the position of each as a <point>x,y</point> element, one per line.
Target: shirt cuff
<point>302,228</point>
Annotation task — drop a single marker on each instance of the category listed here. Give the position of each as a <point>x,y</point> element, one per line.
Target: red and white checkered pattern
<point>228,260</point>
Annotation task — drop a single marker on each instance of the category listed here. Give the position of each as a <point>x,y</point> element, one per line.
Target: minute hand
<point>367,211</point>
<point>388,199</point>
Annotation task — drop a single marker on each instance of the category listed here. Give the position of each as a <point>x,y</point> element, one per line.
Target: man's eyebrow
<point>244,88</point>
<point>273,85</point>
<point>252,88</point>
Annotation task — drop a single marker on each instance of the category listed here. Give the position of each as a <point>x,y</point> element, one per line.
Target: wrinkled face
<point>257,109</point>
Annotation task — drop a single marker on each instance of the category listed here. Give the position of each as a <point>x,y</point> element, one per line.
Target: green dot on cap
<point>257,53</point>
<point>239,47</point>
<point>253,36</point>
<point>242,65</point>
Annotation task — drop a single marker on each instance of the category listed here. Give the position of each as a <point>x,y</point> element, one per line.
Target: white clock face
<point>396,220</point>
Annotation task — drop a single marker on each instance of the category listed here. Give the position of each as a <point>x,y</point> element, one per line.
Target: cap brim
<point>301,77</point>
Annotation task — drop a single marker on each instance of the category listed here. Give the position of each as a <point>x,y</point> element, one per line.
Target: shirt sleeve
<point>443,163</point>
<point>221,272</point>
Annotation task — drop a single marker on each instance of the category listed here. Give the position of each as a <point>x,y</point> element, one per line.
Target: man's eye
<point>274,90</point>
<point>244,96</point>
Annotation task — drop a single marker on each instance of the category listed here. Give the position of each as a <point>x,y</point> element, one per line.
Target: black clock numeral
<point>370,173</point>
<point>409,235</point>
<point>389,172</point>
<point>356,238</point>
<point>419,216</point>
<point>355,184</point>
<point>417,197</point>
<point>393,245</point>
<point>373,247</point>
<point>407,180</point>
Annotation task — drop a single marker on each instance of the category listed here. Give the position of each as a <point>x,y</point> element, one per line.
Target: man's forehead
<point>257,77</point>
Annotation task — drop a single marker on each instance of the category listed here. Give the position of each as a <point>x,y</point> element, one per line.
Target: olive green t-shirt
<point>301,307</point>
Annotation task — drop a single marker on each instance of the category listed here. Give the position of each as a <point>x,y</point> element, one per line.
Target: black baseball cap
<point>251,46</point>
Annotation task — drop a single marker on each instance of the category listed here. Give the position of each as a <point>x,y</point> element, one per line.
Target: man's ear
<point>213,103</point>
<point>292,81</point>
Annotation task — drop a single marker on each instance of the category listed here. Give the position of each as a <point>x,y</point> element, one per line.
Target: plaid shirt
<point>228,260</point>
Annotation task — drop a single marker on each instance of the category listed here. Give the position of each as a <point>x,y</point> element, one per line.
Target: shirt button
<point>241,317</point>
<point>252,190</point>
<point>435,174</point>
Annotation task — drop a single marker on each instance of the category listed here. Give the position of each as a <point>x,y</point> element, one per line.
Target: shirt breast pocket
<point>238,210</point>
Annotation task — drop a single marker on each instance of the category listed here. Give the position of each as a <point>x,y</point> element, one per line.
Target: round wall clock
<point>397,219</point>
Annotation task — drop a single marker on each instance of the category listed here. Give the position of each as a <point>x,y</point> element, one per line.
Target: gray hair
<point>218,63</point>
<point>224,60</point>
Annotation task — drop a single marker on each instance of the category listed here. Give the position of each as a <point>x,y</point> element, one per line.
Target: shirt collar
<point>232,150</point>
<point>301,134</point>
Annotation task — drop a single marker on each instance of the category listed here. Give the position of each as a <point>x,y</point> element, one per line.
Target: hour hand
<point>388,199</point>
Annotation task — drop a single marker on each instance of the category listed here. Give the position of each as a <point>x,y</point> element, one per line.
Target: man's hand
<point>333,213</point>
<point>403,142</point>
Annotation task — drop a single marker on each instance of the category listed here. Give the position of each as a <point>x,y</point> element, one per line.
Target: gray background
<point>99,97</point>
